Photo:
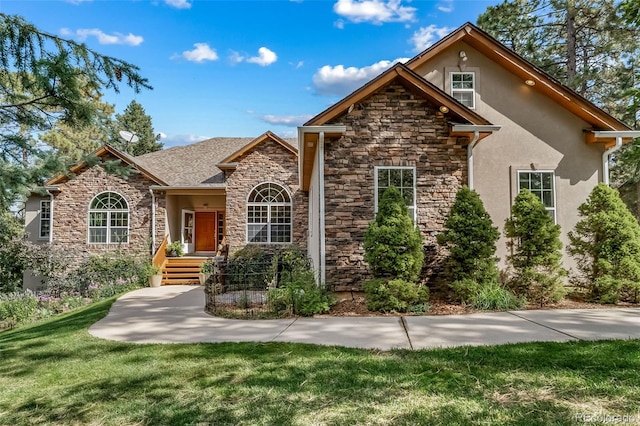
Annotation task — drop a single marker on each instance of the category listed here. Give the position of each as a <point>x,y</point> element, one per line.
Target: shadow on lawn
<point>96,381</point>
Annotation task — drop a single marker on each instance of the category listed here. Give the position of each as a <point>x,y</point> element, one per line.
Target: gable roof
<point>268,135</point>
<point>412,81</point>
<point>197,164</point>
<point>544,83</point>
<point>104,151</point>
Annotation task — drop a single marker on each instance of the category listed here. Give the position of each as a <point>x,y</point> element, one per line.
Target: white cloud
<point>297,65</point>
<point>201,53</point>
<point>338,80</point>
<point>178,4</point>
<point>374,11</point>
<point>445,6</point>
<point>265,57</point>
<point>235,57</point>
<point>116,38</point>
<point>78,1</point>
<point>287,120</point>
<point>339,24</point>
<point>179,140</point>
<point>426,36</point>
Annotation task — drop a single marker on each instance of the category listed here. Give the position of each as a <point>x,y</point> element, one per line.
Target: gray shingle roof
<point>195,164</point>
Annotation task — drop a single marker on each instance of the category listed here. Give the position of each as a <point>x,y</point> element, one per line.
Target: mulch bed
<point>353,305</point>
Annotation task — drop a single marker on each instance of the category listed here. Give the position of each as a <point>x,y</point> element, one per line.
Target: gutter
<point>476,129</point>
<point>618,135</point>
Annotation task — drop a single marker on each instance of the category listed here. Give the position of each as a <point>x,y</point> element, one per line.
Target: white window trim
<point>269,205</point>
<point>415,192</point>
<point>49,220</point>
<point>553,209</point>
<point>472,90</point>
<point>127,210</point>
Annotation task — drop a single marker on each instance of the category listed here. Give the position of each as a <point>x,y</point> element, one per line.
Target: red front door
<point>206,231</point>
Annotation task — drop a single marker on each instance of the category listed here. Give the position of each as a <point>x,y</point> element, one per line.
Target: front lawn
<point>56,373</point>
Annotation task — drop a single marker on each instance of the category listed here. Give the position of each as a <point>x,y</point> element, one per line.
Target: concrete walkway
<point>175,314</point>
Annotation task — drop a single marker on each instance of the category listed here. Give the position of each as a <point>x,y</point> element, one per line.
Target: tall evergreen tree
<point>393,243</point>
<point>606,244</point>
<point>470,237</point>
<point>135,119</point>
<point>41,82</point>
<point>535,246</point>
<point>79,140</point>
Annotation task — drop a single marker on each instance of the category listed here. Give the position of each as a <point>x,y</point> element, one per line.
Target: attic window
<point>463,88</point>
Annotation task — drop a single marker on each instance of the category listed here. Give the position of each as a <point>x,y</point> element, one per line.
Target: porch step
<point>182,270</point>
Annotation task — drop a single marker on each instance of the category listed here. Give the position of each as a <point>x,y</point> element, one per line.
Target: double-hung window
<point>463,88</point>
<point>45,219</point>
<point>541,184</point>
<point>269,214</point>
<point>404,179</point>
<point>108,219</point>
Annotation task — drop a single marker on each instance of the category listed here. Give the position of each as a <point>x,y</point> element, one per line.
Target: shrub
<point>535,244</point>
<point>606,245</point>
<point>249,268</point>
<point>17,308</point>
<point>495,297</point>
<point>394,295</point>
<point>393,243</point>
<point>12,251</point>
<point>299,295</point>
<point>470,238</point>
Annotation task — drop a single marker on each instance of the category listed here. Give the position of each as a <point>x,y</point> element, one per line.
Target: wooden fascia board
<point>408,77</point>
<point>268,135</point>
<point>308,158</point>
<point>106,149</point>
<point>517,65</point>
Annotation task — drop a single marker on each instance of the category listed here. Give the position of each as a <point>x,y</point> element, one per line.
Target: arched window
<point>108,219</point>
<point>269,214</point>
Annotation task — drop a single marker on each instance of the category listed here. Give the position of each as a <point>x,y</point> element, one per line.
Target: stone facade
<point>267,162</point>
<point>390,128</point>
<point>71,211</point>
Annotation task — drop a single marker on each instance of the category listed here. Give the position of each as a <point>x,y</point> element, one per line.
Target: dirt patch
<point>352,304</point>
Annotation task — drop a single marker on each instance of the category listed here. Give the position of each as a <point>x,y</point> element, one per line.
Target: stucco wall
<point>536,134</point>
<point>391,128</point>
<point>268,161</point>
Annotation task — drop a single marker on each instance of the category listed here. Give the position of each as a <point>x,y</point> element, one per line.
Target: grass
<point>54,372</point>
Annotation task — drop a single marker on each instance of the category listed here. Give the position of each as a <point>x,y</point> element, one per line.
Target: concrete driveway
<point>175,314</point>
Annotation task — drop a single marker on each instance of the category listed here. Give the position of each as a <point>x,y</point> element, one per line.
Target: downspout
<point>323,255</point>
<point>474,141</point>
<point>153,222</point>
<point>605,159</point>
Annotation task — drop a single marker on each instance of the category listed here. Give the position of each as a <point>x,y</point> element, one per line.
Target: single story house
<point>467,110</point>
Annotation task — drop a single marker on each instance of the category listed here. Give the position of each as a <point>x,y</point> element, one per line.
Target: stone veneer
<point>390,128</point>
<point>71,211</point>
<point>268,161</point>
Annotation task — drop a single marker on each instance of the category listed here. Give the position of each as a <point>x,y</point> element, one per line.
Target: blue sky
<point>239,68</point>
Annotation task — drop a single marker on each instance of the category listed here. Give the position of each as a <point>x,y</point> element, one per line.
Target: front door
<point>205,232</point>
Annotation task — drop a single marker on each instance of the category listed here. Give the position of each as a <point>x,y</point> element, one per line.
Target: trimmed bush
<point>535,244</point>
<point>395,295</point>
<point>393,243</point>
<point>606,245</point>
<point>299,295</point>
<point>470,238</point>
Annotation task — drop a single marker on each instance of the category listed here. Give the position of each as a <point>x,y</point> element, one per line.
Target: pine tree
<point>470,237</point>
<point>42,81</point>
<point>536,251</point>
<point>393,243</point>
<point>606,244</point>
<point>135,119</point>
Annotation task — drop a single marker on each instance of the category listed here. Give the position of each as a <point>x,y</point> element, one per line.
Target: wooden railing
<point>160,258</point>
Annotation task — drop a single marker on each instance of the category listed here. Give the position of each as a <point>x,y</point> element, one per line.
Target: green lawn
<point>56,373</point>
